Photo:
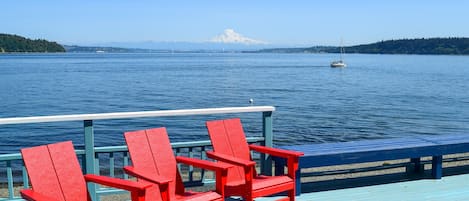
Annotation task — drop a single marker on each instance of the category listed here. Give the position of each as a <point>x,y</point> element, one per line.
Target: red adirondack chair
<point>153,161</point>
<point>55,174</point>
<point>230,146</point>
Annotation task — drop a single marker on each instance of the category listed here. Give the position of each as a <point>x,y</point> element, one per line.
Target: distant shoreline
<point>202,52</point>
<point>430,46</point>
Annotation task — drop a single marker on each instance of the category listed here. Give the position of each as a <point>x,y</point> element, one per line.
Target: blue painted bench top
<point>317,155</point>
<point>414,147</point>
<point>338,153</point>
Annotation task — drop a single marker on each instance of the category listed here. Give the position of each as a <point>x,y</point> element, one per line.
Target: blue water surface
<point>376,96</point>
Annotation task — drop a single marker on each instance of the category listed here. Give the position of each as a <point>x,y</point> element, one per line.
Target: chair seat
<point>261,181</point>
<point>199,196</point>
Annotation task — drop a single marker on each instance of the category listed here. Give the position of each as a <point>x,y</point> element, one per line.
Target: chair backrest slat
<point>54,171</point>
<point>227,137</point>
<point>152,154</point>
<point>68,171</point>
<point>139,150</point>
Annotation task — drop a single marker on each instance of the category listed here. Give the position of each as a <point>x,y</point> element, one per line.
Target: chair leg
<point>137,196</point>
<point>248,198</point>
<point>291,194</point>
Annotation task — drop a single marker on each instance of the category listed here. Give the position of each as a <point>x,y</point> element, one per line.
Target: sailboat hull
<point>338,64</point>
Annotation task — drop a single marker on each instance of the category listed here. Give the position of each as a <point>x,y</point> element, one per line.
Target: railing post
<point>11,193</point>
<point>25,177</point>
<point>89,156</point>
<point>266,160</point>
<point>126,163</point>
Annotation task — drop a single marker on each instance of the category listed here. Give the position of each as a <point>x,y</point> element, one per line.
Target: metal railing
<point>90,155</point>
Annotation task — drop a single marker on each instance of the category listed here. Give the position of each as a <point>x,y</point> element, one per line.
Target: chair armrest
<point>30,195</point>
<point>116,183</point>
<point>220,169</point>
<point>276,152</point>
<point>230,159</point>
<point>203,163</point>
<point>154,178</point>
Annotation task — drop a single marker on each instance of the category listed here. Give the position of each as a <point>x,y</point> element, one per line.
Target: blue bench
<point>326,154</point>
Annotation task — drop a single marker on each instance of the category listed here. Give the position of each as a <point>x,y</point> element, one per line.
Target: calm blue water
<point>377,96</point>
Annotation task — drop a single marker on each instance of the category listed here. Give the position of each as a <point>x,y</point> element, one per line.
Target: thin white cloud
<point>230,36</point>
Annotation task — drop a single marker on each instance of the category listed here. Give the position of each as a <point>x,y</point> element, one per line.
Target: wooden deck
<point>449,188</point>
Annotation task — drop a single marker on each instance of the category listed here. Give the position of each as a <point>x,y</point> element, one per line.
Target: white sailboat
<point>339,63</point>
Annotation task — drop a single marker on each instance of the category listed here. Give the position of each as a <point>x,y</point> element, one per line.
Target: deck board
<point>447,188</point>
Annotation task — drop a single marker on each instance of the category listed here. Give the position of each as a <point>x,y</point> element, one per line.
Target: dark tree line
<point>14,43</point>
<point>454,46</point>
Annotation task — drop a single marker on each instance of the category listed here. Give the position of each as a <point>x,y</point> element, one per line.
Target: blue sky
<point>276,22</point>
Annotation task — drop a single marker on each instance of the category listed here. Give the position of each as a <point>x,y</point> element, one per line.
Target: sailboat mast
<point>341,49</point>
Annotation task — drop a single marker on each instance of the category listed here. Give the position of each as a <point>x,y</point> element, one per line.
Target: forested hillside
<point>451,46</point>
<point>414,46</point>
<point>15,43</point>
